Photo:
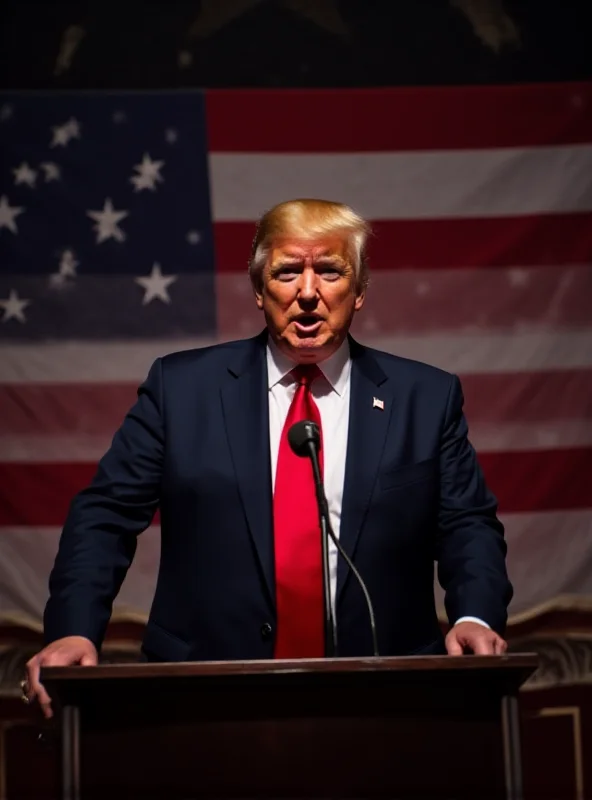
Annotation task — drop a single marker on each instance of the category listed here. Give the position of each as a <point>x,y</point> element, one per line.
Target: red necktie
<point>297,536</point>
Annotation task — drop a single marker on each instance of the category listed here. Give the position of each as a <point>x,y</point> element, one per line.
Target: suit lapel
<point>246,415</point>
<point>368,425</point>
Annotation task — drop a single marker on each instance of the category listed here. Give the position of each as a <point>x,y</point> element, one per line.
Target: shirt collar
<point>336,368</point>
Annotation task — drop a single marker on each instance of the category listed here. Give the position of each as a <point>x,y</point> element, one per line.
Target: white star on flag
<point>61,136</point>
<point>66,269</point>
<point>171,135</point>
<point>14,307</point>
<point>73,128</point>
<point>107,220</point>
<point>24,174</point>
<point>148,174</point>
<point>156,285</point>
<point>6,112</point>
<point>8,214</point>
<point>68,264</point>
<point>63,133</point>
<point>194,237</point>
<point>52,171</point>
<point>119,117</point>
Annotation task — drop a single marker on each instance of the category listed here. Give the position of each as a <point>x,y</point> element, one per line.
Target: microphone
<point>305,440</point>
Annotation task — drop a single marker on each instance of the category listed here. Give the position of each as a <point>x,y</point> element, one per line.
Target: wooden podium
<point>412,727</point>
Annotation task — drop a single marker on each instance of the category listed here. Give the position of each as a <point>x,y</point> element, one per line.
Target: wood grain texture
<point>525,663</point>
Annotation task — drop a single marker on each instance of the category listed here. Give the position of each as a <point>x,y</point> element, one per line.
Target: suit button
<point>266,630</point>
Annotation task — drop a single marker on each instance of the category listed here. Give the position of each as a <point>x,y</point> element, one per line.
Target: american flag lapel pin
<point>376,403</point>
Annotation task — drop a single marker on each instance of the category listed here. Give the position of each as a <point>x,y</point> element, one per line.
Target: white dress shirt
<point>331,394</point>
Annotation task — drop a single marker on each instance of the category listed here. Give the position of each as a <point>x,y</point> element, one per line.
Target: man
<point>206,442</point>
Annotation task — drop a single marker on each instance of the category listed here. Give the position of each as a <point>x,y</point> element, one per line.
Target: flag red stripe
<point>40,494</point>
<point>64,408</point>
<point>528,397</point>
<point>523,241</point>
<point>540,480</point>
<point>99,408</point>
<point>402,118</point>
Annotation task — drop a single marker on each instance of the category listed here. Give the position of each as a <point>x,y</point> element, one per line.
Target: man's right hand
<point>62,653</point>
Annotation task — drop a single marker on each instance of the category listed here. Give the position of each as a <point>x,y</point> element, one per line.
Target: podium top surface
<point>520,665</point>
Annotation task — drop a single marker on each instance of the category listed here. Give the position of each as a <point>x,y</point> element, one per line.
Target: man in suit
<point>206,443</point>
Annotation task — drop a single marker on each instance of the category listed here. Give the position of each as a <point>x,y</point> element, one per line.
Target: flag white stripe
<point>549,555</point>
<point>26,558</point>
<point>478,353</point>
<point>410,185</point>
<point>494,438</point>
<point>468,353</point>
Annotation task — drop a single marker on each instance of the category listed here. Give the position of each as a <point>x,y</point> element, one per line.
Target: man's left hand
<point>471,636</point>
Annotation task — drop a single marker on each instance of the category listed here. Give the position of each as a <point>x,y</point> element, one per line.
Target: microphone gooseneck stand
<point>331,648</point>
<point>304,438</point>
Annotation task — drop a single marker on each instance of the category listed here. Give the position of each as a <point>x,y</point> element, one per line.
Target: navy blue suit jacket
<point>196,446</point>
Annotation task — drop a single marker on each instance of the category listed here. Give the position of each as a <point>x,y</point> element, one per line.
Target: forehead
<point>334,247</point>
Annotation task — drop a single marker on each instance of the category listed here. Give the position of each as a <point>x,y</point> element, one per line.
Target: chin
<point>311,350</point>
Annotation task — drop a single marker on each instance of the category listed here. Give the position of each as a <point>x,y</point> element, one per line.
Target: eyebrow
<point>334,260</point>
<point>330,260</point>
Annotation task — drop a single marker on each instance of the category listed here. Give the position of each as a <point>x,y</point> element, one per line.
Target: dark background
<point>275,43</point>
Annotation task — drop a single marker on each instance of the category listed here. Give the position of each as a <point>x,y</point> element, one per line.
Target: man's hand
<point>62,653</point>
<point>480,640</point>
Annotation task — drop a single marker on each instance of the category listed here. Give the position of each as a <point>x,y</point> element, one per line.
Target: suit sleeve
<point>471,549</point>
<point>99,538</point>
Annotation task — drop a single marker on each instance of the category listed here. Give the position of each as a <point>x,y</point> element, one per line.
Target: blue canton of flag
<point>105,223</point>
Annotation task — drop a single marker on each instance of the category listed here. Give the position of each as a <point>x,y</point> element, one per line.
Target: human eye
<point>329,272</point>
<point>286,272</point>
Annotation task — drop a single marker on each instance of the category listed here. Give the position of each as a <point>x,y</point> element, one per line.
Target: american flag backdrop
<point>126,221</point>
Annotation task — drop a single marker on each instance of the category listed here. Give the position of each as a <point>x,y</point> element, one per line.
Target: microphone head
<point>301,434</point>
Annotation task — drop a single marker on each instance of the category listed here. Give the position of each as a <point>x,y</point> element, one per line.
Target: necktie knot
<point>305,374</point>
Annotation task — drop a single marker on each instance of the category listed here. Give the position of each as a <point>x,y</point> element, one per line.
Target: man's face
<point>309,297</point>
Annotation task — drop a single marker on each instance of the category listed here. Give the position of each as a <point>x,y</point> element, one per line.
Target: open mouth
<point>308,323</point>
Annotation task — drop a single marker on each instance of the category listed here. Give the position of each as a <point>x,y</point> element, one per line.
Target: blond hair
<point>309,219</point>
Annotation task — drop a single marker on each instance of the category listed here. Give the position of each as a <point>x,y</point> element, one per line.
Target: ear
<point>359,301</point>
<point>258,298</point>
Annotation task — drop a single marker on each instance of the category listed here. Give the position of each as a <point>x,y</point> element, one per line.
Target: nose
<point>308,285</point>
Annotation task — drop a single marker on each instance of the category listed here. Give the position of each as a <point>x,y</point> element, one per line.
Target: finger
<point>43,698</point>
<point>45,704</point>
<point>34,686</point>
<point>37,691</point>
<point>500,646</point>
<point>59,658</point>
<point>482,646</point>
<point>56,658</point>
<point>453,646</point>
